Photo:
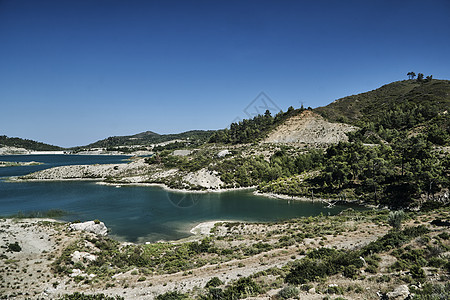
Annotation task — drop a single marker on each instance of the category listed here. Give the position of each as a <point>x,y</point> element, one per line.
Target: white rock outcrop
<point>204,178</point>
<point>98,228</point>
<point>78,256</point>
<point>223,153</point>
<point>400,292</point>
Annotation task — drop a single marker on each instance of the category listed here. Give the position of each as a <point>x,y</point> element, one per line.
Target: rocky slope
<point>136,172</point>
<point>309,128</point>
<point>90,171</point>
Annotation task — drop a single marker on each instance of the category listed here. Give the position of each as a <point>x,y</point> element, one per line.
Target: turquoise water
<point>137,213</point>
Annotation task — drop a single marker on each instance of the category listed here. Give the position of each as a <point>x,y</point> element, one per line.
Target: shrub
<point>334,289</point>
<point>14,247</point>
<point>351,271</point>
<point>372,269</point>
<point>418,273</point>
<point>436,262</point>
<point>324,262</point>
<point>243,288</point>
<point>288,292</point>
<point>444,235</point>
<point>430,291</point>
<point>214,282</point>
<point>174,295</point>
<point>81,296</point>
<point>395,219</point>
<point>305,271</point>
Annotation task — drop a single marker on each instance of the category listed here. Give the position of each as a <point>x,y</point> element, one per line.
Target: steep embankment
<point>309,128</point>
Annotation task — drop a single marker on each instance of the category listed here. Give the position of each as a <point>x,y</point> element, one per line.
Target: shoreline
<point>100,181</point>
<point>6,164</point>
<point>330,202</point>
<point>167,188</point>
<point>64,153</point>
<point>197,231</point>
<point>204,228</point>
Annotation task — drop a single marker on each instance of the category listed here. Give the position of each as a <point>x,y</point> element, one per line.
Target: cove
<point>142,213</point>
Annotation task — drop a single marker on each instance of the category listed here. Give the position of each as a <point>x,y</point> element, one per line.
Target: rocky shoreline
<point>139,173</point>
<point>35,249</point>
<point>19,163</point>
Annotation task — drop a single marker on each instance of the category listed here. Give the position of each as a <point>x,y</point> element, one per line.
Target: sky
<point>73,72</point>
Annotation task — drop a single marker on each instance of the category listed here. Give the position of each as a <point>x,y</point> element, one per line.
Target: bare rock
<point>98,228</point>
<point>78,256</point>
<point>223,153</point>
<point>309,128</point>
<point>401,292</point>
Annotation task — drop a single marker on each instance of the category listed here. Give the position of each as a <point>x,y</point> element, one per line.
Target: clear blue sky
<point>73,72</point>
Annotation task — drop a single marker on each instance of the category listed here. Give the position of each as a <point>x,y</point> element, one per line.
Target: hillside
<point>26,144</point>
<point>372,106</point>
<point>403,107</point>
<point>309,128</point>
<point>149,137</point>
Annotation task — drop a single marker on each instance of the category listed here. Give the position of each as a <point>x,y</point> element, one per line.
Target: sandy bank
<point>165,187</point>
<point>329,202</point>
<point>204,228</point>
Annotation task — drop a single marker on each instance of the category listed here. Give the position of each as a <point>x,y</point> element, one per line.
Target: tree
<point>411,75</point>
<point>420,77</point>
<point>395,219</point>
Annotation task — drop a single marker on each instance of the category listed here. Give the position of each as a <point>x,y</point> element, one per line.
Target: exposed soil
<point>309,128</point>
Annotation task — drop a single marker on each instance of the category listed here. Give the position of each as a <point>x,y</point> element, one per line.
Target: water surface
<point>138,213</point>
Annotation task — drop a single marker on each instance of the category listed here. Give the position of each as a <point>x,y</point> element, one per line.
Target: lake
<point>138,213</point>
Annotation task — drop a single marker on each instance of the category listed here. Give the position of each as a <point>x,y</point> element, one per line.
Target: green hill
<point>27,144</point>
<point>372,106</point>
<point>402,106</point>
<point>149,137</point>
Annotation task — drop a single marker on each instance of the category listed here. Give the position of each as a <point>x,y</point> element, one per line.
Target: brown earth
<point>309,128</point>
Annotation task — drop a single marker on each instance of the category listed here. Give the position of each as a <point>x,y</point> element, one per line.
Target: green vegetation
<point>288,292</point>
<point>395,219</point>
<point>27,144</point>
<point>82,296</point>
<point>403,122</point>
<point>15,247</point>
<point>242,288</point>
<point>149,137</point>
<point>156,258</point>
<point>392,175</point>
<point>325,262</point>
<point>396,108</point>
<point>175,295</point>
<point>413,255</point>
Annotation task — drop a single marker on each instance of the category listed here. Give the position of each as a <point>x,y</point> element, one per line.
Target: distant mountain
<point>150,137</point>
<point>27,144</point>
